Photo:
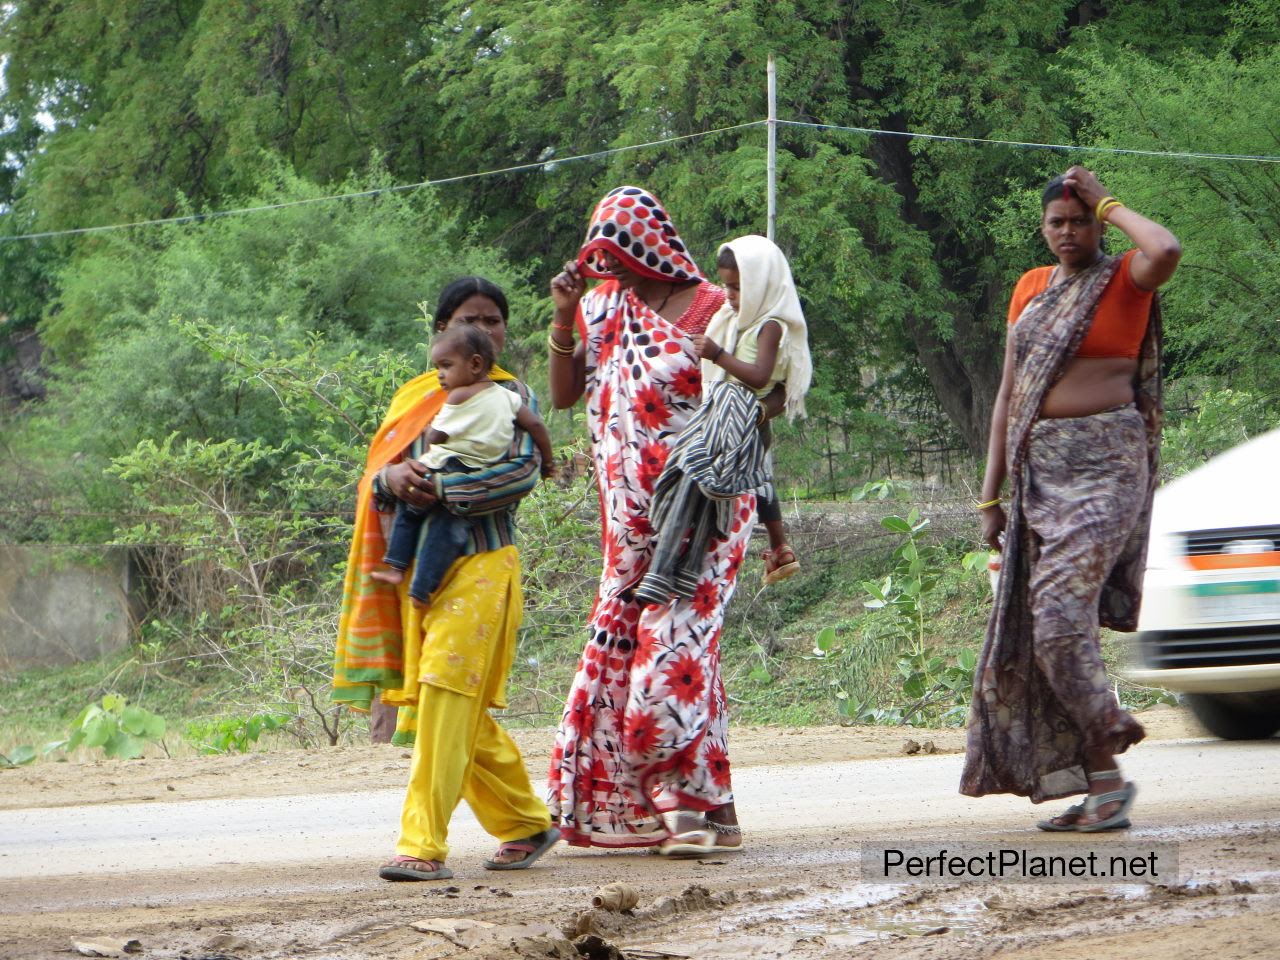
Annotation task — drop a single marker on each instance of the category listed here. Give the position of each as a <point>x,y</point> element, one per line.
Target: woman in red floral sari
<point>644,727</point>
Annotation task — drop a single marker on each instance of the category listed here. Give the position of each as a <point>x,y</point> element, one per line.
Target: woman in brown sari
<point>1076,429</point>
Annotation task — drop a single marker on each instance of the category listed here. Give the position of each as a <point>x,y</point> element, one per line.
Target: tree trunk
<point>964,367</point>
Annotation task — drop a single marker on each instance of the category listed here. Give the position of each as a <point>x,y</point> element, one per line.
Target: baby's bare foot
<point>390,575</point>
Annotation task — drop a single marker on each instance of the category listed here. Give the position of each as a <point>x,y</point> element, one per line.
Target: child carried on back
<point>757,340</point>
<point>473,430</point>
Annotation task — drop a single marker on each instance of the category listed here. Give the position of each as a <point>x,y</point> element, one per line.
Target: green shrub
<point>234,734</point>
<point>120,730</point>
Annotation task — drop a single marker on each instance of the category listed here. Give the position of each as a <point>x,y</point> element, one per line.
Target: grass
<point>803,688</point>
<point>41,703</point>
<point>770,671</point>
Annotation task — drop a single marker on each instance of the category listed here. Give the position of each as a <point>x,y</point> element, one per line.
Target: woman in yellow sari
<point>445,666</point>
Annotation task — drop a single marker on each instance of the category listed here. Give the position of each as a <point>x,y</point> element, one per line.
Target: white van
<point>1210,622</point>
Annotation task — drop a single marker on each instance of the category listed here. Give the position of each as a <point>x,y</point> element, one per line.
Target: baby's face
<point>732,286</point>
<point>455,370</point>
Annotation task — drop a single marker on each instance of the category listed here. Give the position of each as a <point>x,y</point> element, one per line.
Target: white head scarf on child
<point>767,293</point>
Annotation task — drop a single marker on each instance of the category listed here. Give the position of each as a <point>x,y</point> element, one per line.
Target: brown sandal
<point>780,564</point>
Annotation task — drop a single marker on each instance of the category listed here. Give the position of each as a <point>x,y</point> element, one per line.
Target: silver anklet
<point>725,829</point>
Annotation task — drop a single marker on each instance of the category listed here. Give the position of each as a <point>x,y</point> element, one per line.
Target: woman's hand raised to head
<point>1085,185</point>
<point>408,482</point>
<point>567,375</point>
<point>567,287</point>
<point>1158,250</point>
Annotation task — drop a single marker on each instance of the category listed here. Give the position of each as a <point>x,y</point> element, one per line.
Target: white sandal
<point>700,841</point>
<point>1119,818</point>
<point>1117,821</point>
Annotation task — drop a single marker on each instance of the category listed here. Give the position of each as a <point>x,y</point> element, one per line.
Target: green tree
<point>1227,214</point>
<point>282,313</point>
<point>904,248</point>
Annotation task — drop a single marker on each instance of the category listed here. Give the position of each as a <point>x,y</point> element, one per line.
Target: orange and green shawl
<point>369,654</point>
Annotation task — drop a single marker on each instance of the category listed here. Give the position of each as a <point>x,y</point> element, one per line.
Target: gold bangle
<point>1099,208</point>
<point>560,349</point>
<point>989,504</point>
<point>1106,211</point>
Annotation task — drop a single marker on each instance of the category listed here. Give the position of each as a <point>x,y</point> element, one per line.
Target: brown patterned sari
<point>1074,554</point>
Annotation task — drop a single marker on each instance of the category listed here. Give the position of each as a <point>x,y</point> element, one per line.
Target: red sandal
<point>532,848</point>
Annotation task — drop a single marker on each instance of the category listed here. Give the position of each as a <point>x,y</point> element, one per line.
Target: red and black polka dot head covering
<point>631,224</point>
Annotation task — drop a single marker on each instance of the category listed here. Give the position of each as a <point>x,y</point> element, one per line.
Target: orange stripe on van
<point>1234,561</point>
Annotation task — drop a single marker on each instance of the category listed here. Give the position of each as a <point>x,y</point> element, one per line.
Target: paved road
<point>1187,789</point>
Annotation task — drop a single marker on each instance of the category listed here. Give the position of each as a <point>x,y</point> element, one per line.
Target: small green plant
<point>900,597</point>
<point>882,490</point>
<point>936,689</point>
<point>929,687</point>
<point>234,734</point>
<point>121,730</point>
<point>17,757</point>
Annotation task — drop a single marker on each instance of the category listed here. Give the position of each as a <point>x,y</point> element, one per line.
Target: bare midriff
<point>1090,385</point>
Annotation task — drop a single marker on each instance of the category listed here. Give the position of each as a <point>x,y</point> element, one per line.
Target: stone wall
<point>61,605</point>
<point>21,374</point>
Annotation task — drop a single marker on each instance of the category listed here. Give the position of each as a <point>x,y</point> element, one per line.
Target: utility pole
<point>772,165</point>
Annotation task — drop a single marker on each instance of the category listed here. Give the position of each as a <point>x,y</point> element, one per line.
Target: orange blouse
<point>1120,322</point>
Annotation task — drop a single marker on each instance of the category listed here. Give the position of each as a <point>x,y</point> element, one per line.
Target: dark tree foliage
<point>904,248</point>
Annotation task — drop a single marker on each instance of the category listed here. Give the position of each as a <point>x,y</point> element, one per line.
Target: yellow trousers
<point>461,753</point>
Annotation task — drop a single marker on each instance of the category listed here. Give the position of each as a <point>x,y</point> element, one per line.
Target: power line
<point>548,165</point>
<point>1031,145</point>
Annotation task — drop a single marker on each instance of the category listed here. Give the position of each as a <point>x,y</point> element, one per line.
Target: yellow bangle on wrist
<point>1104,207</point>
<point>989,504</point>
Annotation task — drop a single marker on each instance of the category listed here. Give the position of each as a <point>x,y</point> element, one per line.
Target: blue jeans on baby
<point>443,543</point>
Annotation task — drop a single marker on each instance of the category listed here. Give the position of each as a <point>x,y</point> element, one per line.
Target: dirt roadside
<point>795,894</point>
<point>340,769</point>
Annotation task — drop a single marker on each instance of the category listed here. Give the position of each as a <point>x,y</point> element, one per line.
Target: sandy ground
<point>274,855</point>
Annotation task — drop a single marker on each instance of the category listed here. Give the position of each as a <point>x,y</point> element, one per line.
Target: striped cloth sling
<point>718,457</point>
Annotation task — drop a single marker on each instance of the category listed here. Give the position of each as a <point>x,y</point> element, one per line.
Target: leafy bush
<point>190,331</point>
<point>937,689</point>
<point>900,596</point>
<point>120,730</point>
<point>890,671</point>
<point>234,734</point>
<point>1223,419</point>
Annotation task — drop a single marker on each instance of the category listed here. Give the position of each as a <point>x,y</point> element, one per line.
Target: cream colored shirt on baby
<point>748,349</point>
<point>480,429</point>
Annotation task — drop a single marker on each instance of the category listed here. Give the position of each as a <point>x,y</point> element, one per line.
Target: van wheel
<point>1237,716</point>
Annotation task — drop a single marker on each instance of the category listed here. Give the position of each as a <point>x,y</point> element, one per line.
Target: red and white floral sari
<point>644,727</point>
